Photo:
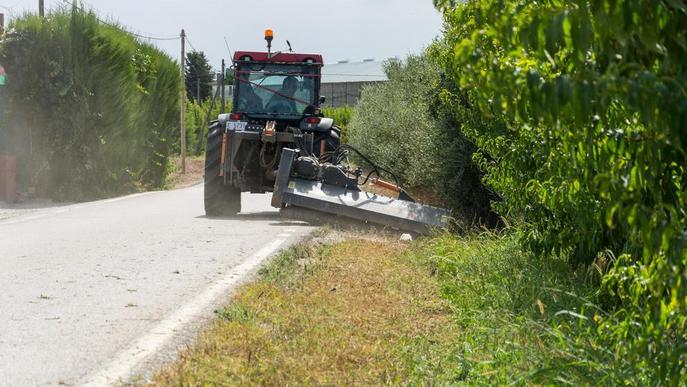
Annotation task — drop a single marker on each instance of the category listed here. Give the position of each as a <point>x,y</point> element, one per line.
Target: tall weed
<point>525,318</point>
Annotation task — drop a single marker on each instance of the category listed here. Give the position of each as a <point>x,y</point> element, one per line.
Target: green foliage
<point>91,111</point>
<point>198,117</point>
<point>229,76</point>
<point>393,124</point>
<point>198,76</point>
<point>523,318</point>
<point>588,108</point>
<point>406,126</point>
<point>342,117</point>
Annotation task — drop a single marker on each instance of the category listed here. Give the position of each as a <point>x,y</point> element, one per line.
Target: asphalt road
<point>103,291</point>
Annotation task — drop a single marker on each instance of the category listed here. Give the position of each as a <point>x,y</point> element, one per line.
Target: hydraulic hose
<point>340,155</point>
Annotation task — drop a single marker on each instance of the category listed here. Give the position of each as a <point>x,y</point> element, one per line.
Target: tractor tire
<point>220,199</point>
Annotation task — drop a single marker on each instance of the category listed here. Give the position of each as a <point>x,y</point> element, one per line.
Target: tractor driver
<point>249,101</point>
<point>283,102</point>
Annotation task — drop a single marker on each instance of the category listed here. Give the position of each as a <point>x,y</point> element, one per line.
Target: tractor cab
<point>279,88</point>
<point>282,86</point>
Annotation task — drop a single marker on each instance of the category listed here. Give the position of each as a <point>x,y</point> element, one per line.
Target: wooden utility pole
<point>183,101</point>
<point>41,8</point>
<point>221,86</point>
<point>2,24</point>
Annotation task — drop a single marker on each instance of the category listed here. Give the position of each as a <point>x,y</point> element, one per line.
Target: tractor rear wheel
<point>220,199</point>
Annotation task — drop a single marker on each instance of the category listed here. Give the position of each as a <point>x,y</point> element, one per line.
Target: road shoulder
<point>179,330</point>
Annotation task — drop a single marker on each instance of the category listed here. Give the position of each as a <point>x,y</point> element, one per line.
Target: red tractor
<point>276,139</point>
<point>276,105</point>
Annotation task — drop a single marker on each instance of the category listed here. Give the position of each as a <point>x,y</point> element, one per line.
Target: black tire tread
<point>220,199</point>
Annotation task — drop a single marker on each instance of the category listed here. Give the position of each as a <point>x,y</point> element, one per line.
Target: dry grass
<point>194,172</point>
<point>371,312</point>
<point>357,312</point>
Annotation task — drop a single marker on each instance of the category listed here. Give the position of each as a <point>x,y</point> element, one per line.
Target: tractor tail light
<point>235,116</point>
<point>312,120</point>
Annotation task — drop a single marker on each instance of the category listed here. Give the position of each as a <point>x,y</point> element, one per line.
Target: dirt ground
<point>194,172</point>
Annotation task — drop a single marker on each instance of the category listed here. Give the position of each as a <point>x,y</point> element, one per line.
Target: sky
<point>339,29</point>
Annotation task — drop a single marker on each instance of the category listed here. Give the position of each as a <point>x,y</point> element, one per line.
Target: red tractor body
<point>276,139</point>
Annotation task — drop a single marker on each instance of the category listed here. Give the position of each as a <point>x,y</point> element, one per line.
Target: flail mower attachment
<point>304,182</point>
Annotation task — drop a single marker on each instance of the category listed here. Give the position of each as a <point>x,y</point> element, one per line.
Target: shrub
<point>404,125</point>
<point>589,109</point>
<point>198,118</point>
<point>91,111</point>
<point>342,117</point>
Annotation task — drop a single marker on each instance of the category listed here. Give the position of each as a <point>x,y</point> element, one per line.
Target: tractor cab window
<point>275,89</point>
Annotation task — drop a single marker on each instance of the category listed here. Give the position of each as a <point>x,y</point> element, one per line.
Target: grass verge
<point>522,319</point>
<point>447,310</point>
<point>349,313</point>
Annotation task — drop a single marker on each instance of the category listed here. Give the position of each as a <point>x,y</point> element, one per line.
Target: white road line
<point>24,219</point>
<point>63,210</point>
<point>124,197</point>
<point>120,370</point>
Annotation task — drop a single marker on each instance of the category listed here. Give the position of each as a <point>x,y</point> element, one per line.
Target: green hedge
<point>90,110</point>
<point>588,108</point>
<point>406,125</point>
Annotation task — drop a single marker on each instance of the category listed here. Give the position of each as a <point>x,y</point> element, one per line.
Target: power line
<point>195,65</point>
<point>190,44</point>
<point>149,37</point>
<point>10,8</point>
<point>226,43</point>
